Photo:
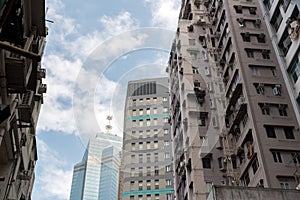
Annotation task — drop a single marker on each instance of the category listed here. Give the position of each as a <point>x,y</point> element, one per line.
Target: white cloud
<point>164,13</point>
<point>54,181</point>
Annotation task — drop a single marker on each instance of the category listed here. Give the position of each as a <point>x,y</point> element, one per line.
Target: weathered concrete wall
<point>241,193</point>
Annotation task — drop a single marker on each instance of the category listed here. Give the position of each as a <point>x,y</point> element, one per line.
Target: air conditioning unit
<point>41,73</point>
<point>276,90</point>
<point>42,89</point>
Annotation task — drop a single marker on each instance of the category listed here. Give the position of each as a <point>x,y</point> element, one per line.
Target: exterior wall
<point>257,119</point>
<point>87,174</point>
<point>22,45</point>
<point>241,193</point>
<point>281,17</point>
<point>146,158</point>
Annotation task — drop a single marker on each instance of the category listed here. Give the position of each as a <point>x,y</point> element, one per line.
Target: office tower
<point>283,23</point>
<point>222,60</point>
<point>22,41</point>
<point>100,162</point>
<point>146,157</point>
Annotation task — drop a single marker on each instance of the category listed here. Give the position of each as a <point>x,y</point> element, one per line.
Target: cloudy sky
<point>94,48</point>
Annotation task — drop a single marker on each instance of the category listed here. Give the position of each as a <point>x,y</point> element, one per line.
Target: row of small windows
<point>281,157</point>
<point>258,53</point>
<point>140,123</point>
<point>261,38</point>
<point>149,171</point>
<point>269,109</point>
<point>149,184</point>
<point>264,89</point>
<point>141,146</point>
<point>148,99</point>
<point>149,158</point>
<point>141,111</point>
<point>240,9</point>
<point>148,133</point>
<point>273,131</point>
<point>156,197</point>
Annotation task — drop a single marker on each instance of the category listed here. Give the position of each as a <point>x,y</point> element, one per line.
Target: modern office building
<point>147,171</point>
<point>22,42</point>
<point>231,112</point>
<point>100,163</point>
<point>282,18</point>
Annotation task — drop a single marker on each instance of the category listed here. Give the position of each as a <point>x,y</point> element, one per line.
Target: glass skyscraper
<point>100,164</point>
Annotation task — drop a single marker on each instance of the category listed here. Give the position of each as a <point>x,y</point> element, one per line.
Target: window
<point>265,54</point>
<point>201,121</point>
<point>140,158</point>
<point>206,162</point>
<point>265,108</point>
<point>133,146</point>
<point>166,131</point>
<point>282,109</point>
<point>148,133</point>
<point>261,38</point>
<point>296,158</point>
<point>140,197</point>
<point>166,120</point>
<point>140,171</point>
<point>246,179</point>
<point>169,197</point>
<point>285,4</point>
<point>270,132</point>
<point>252,10</point>
<point>133,132</point>
<point>133,123</point>
<point>155,144</point>
<point>156,197</point>
<point>192,42</point>
<point>168,168</point>
<point>156,170</point>
<point>148,122</point>
<point>131,197</point>
<point>131,185</point>
<point>133,158</point>
<point>155,131</point>
<point>141,112</point>
<point>277,90</point>
<point>148,145</point>
<point>238,9</point>
<point>167,155</point>
<point>156,157</point>
<point>148,196</point>
<point>148,157</point>
<point>154,110</point>
<point>268,3</point>
<point>255,165</point>
<point>195,70</point>
<point>165,99</point>
<point>168,182</point>
<point>141,134</point>
<point>154,99</point>
<point>156,183</point>
<point>288,132</point>
<point>250,53</point>
<point>148,111</point>
<point>194,55</point>
<point>141,100</point>
<point>165,110</point>
<point>155,122</point>
<point>140,185</point>
<point>147,99</point>
<point>277,18</point>
<point>260,88</point>
<point>284,185</point>
<point>241,22</point>
<point>273,71</point>
<point>148,171</point>
<point>141,123</point>
<point>148,184</point>
<point>133,112</point>
<point>141,145</point>
<point>208,186</point>
<point>295,72</point>
<point>246,37</point>
<point>132,171</point>
<point>277,157</point>
<point>255,71</point>
<point>166,143</point>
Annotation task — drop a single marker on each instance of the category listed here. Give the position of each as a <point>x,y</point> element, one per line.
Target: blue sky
<point>93,48</point>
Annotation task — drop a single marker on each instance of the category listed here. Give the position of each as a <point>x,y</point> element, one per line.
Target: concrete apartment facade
<point>22,41</point>
<point>146,168</point>
<point>228,93</point>
<point>283,24</point>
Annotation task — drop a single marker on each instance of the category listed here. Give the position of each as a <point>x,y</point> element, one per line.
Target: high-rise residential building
<point>233,120</point>
<point>22,42</point>
<point>282,18</point>
<point>147,171</point>
<point>96,176</point>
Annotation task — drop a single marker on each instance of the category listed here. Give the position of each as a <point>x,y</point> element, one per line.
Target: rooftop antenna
<point>108,127</point>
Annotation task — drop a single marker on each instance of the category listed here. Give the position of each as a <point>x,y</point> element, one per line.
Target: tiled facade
<point>233,122</point>
<point>147,171</point>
